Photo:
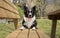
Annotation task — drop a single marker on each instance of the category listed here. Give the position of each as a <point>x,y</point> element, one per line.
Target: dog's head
<point>29,12</point>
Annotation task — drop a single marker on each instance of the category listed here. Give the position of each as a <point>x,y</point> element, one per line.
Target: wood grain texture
<point>28,34</point>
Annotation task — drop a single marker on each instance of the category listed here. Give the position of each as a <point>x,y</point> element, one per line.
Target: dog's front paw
<point>22,28</point>
<point>34,28</point>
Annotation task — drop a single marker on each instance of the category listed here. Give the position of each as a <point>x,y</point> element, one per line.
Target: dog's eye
<point>28,11</point>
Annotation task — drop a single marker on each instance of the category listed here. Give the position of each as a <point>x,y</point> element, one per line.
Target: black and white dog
<point>29,19</point>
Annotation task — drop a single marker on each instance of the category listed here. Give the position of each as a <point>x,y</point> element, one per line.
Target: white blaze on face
<point>30,13</point>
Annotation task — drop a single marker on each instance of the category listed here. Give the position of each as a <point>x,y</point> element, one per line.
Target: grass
<point>44,24</point>
<point>6,29</point>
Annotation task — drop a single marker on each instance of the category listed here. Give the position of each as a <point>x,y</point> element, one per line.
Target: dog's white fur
<point>29,22</point>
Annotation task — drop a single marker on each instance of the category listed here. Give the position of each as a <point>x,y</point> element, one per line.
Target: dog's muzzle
<point>30,15</point>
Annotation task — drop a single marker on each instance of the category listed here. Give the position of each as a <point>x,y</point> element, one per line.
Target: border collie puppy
<point>29,19</point>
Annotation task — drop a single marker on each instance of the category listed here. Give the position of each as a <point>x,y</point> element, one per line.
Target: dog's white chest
<point>29,22</point>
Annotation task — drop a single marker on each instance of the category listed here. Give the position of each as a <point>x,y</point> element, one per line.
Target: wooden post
<point>53,30</point>
<point>16,23</point>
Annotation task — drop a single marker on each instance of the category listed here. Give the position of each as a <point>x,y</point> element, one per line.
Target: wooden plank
<point>56,12</point>
<point>23,34</point>
<point>8,10</point>
<point>26,33</point>
<point>33,34</point>
<point>53,31</point>
<point>54,17</point>
<point>42,34</point>
<point>14,34</point>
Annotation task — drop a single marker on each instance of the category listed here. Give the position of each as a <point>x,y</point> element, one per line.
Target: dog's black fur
<point>26,13</point>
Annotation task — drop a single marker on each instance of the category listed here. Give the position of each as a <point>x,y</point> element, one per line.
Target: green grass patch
<point>44,24</point>
<point>6,29</point>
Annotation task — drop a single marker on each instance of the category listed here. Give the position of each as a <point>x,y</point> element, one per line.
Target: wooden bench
<point>28,34</point>
<point>54,16</point>
<point>9,11</point>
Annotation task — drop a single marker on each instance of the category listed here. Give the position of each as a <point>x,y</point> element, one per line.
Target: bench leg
<point>16,23</point>
<point>53,30</point>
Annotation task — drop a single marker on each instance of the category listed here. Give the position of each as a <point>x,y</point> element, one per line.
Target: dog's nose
<point>30,15</point>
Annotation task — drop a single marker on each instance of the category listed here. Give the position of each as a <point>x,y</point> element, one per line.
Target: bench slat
<point>28,34</point>
<point>23,34</point>
<point>33,34</point>
<point>14,34</point>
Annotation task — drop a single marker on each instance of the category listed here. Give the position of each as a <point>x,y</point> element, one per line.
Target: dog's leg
<point>34,26</point>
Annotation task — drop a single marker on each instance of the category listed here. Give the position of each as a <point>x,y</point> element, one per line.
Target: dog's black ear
<point>25,8</point>
<point>34,9</point>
